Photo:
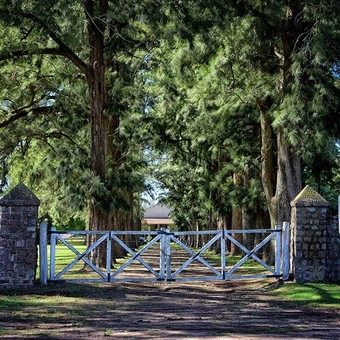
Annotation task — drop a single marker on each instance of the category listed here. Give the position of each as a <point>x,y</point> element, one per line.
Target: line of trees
<point>231,106</point>
<point>247,111</point>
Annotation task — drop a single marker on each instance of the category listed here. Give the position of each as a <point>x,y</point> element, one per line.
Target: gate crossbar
<point>250,253</point>
<point>135,256</point>
<point>81,256</point>
<point>196,255</point>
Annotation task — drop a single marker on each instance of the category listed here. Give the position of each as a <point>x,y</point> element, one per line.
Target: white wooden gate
<point>167,245</point>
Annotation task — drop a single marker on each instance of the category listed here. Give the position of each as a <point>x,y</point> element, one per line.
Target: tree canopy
<point>230,106</point>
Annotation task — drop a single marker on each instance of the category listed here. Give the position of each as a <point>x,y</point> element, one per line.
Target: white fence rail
<point>169,244</point>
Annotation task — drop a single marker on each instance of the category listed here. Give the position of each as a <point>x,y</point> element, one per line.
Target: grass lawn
<point>101,310</point>
<point>320,295</point>
<point>310,294</point>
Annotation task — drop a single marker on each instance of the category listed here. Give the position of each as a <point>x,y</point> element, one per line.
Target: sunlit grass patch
<point>313,294</point>
<point>4,332</point>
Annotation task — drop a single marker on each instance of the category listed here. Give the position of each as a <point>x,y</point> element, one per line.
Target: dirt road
<point>216,310</point>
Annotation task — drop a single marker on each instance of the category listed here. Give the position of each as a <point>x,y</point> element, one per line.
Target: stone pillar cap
<point>20,195</point>
<point>309,197</point>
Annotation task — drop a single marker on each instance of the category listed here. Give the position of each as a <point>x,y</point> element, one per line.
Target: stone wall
<point>315,242</point>
<point>18,249</point>
<point>332,271</point>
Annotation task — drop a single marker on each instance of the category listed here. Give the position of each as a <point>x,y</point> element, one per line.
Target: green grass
<point>310,294</point>
<point>4,332</point>
<point>69,304</point>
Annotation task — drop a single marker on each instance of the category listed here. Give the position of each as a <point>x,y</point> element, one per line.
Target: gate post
<point>277,250</point>
<point>223,254</point>
<point>109,255</point>
<point>285,251</point>
<point>43,265</point>
<point>168,255</point>
<point>162,256</point>
<point>53,243</point>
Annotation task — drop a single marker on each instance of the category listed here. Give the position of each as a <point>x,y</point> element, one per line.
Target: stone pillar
<point>332,273</point>
<point>18,249</point>
<point>315,239</point>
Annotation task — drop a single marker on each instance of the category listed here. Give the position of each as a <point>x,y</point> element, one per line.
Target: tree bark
<point>106,146</point>
<point>248,213</point>
<point>269,168</point>
<point>262,222</point>
<point>236,221</point>
<point>289,182</point>
<point>98,217</point>
<point>281,164</point>
<point>248,223</point>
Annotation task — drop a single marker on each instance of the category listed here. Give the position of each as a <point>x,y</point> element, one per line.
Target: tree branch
<point>57,134</point>
<point>67,52</point>
<point>13,118</point>
<point>22,53</point>
<point>63,49</point>
<point>21,113</point>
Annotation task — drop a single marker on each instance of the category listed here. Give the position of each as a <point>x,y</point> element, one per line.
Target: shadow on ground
<point>228,310</point>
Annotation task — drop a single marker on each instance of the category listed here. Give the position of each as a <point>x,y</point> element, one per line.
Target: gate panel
<point>196,255</point>
<point>251,254</point>
<point>165,256</point>
<point>136,256</point>
<point>81,265</point>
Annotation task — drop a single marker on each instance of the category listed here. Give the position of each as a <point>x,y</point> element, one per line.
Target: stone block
<point>305,254</point>
<point>322,253</point>
<point>20,243</point>
<point>311,210</point>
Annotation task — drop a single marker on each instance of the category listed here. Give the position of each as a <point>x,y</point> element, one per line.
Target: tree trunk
<point>248,213</point>
<point>262,222</point>
<point>105,148</point>
<point>98,218</point>
<point>289,182</point>
<point>281,189</point>
<point>248,223</point>
<point>269,175</point>
<point>221,225</point>
<point>269,168</point>
<point>236,221</point>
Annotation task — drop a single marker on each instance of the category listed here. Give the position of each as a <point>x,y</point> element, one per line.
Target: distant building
<point>157,216</point>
